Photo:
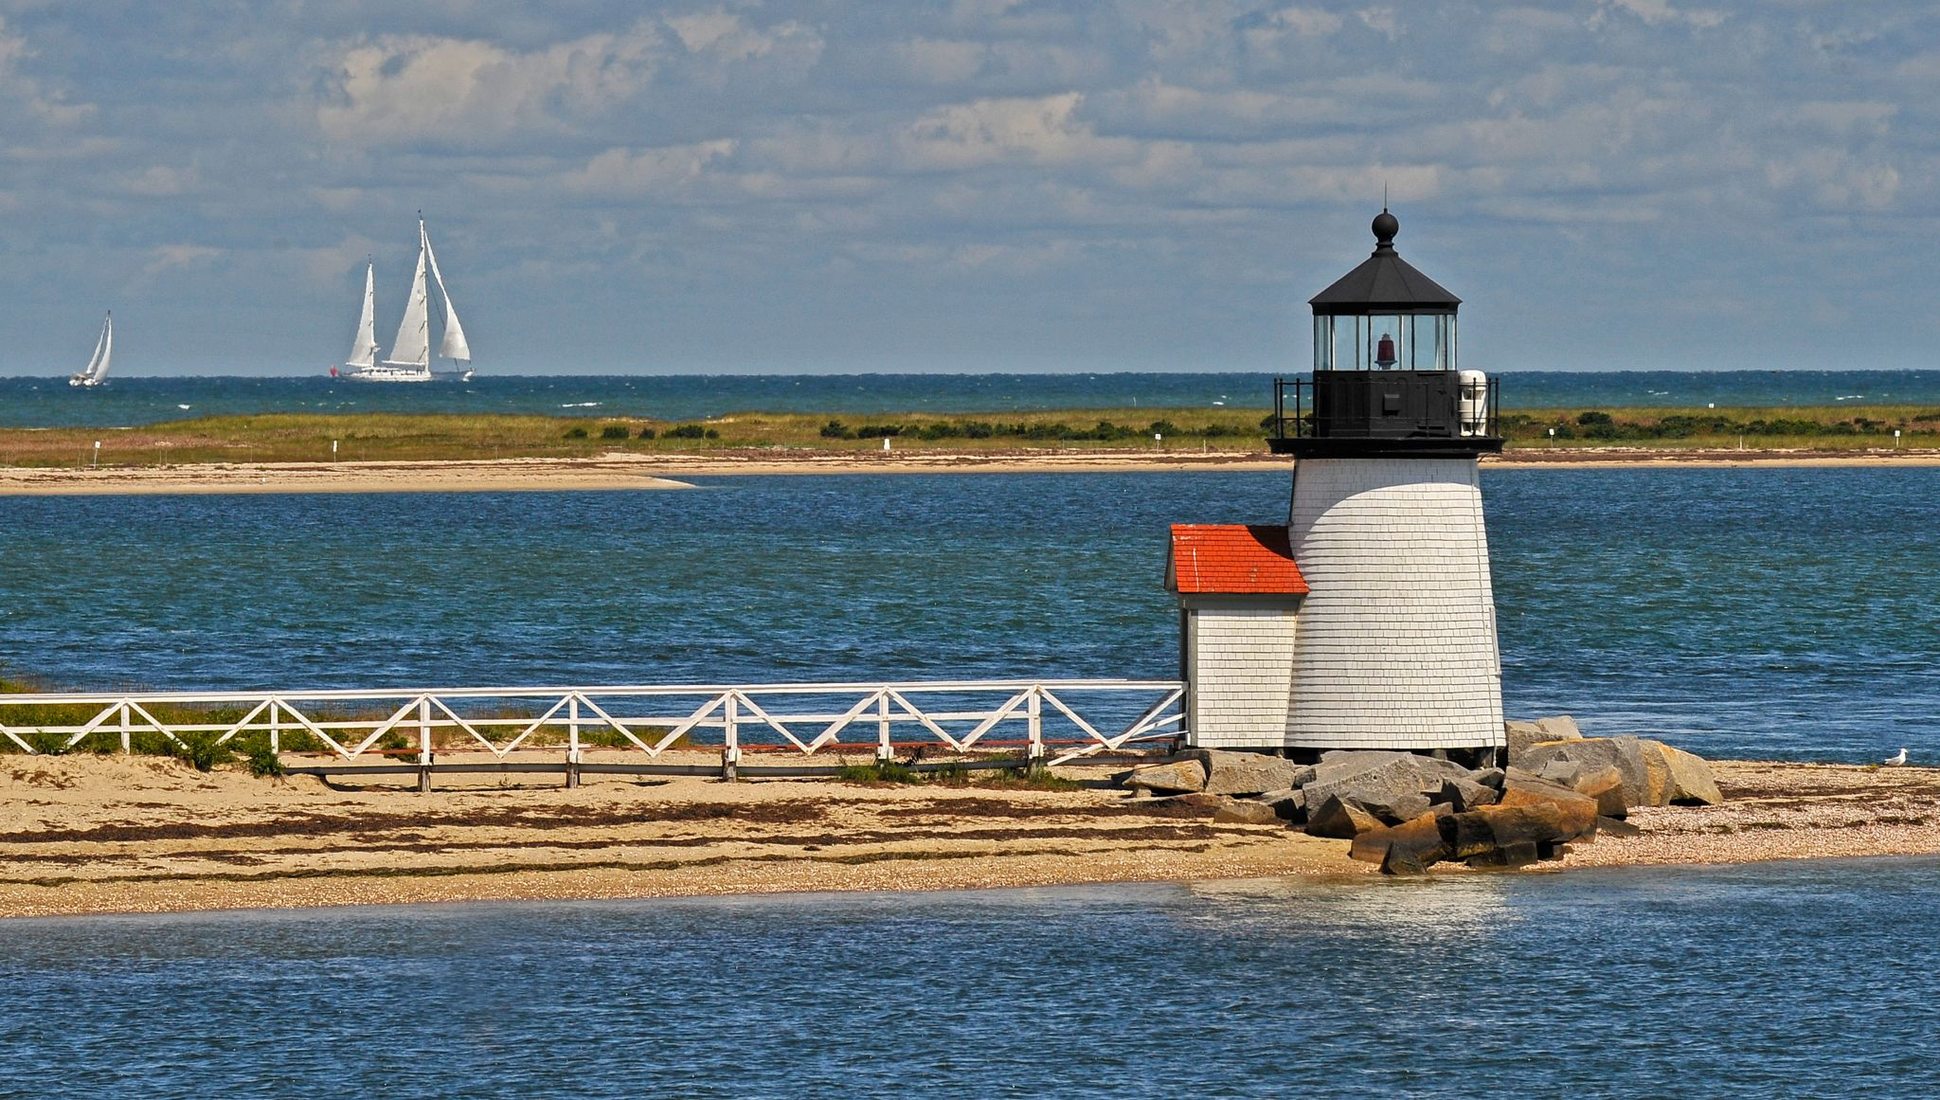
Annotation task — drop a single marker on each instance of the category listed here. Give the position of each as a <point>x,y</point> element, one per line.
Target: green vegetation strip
<point>384,437</point>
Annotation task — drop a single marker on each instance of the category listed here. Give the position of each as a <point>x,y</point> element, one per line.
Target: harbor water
<point>1759,981</point>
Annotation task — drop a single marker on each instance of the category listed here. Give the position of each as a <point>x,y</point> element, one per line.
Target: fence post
<point>275,728</point>
<point>572,742</point>
<point>730,739</point>
<point>1035,755</point>
<point>885,752</point>
<point>126,744</point>
<point>424,745</point>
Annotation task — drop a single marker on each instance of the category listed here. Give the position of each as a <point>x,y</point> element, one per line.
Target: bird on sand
<point>1895,760</point>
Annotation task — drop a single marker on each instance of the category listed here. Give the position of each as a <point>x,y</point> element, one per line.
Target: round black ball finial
<point>1386,225</point>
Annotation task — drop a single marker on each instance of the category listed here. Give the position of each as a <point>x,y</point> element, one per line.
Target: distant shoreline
<point>86,834</point>
<point>621,471</point>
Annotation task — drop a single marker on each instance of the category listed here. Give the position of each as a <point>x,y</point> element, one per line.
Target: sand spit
<point>494,475</point>
<point>111,834</point>
<point>631,471</point>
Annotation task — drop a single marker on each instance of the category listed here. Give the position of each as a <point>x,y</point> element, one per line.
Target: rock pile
<point>1407,812</point>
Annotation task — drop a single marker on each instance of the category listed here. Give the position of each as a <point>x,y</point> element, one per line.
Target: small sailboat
<point>410,358</point>
<point>96,373</point>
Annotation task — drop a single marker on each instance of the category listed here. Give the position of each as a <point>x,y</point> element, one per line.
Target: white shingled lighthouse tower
<point>1373,624</point>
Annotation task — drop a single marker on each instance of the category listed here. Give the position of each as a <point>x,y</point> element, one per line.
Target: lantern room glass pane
<point>1385,341</point>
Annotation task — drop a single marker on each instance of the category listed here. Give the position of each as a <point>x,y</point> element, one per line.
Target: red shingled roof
<point>1233,558</point>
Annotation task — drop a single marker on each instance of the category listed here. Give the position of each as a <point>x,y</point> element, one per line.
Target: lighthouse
<point>1368,622</point>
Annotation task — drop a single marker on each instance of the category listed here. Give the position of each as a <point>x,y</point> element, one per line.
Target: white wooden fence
<point>1042,721</point>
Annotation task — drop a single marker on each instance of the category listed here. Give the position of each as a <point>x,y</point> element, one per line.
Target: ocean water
<point>1765,613</point>
<point>40,402</point>
<point>1793,980</point>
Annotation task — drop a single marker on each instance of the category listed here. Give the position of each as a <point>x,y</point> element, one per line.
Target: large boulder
<point>1246,773</point>
<point>1480,836</point>
<point>1409,848</point>
<point>1690,779</point>
<point>1172,777</point>
<point>1575,814</point>
<point>1235,811</point>
<point>1394,786</point>
<point>1522,733</point>
<point>1654,774</point>
<point>1645,776</point>
<point>1606,786</point>
<point>1290,804</point>
<point>1339,818</point>
<point>1462,794</point>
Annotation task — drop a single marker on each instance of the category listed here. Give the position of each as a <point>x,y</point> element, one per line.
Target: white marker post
<point>885,443</point>
<point>97,453</point>
<point>333,450</point>
<point>1896,439</point>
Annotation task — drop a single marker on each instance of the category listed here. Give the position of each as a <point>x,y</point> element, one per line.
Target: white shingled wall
<point>1397,645</point>
<point>1240,662</point>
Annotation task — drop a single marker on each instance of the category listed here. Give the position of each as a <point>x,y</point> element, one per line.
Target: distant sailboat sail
<point>412,348</point>
<point>96,372</point>
<point>363,352</point>
<point>410,358</point>
<point>453,346</point>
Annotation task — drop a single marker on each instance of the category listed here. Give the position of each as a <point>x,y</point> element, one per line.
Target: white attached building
<point>1239,596</point>
<point>1378,631</point>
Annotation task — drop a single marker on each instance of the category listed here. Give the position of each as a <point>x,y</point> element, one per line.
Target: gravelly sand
<point>108,834</point>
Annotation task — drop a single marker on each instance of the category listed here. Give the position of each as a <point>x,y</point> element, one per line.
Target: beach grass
<point>380,437</point>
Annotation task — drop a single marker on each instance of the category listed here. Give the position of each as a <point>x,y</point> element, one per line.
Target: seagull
<point>1896,760</point>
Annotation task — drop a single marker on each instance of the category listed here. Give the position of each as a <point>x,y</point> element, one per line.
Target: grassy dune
<point>382,437</point>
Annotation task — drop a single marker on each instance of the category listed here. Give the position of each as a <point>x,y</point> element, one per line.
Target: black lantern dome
<point>1384,283</point>
<point>1385,380</point>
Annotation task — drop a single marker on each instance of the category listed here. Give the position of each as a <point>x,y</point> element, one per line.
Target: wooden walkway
<point>800,726</point>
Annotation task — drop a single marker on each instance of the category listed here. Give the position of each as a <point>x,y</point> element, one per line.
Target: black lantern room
<point>1385,380</point>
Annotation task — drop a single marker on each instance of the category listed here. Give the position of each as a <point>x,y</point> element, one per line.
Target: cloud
<point>161,181</point>
<point>465,92</point>
<point>24,96</point>
<point>1042,130</point>
<point>957,62</point>
<point>1658,12</point>
<point>662,170</point>
<point>175,257</point>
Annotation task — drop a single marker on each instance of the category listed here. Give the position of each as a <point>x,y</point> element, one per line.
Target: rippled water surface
<point>48,401</point>
<point>1802,979</point>
<point>1775,613</point>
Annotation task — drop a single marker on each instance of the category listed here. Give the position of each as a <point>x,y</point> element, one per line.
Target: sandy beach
<point>619,471</point>
<point>88,834</point>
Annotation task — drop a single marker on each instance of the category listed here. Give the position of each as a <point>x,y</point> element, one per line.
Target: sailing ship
<point>410,358</point>
<point>96,372</point>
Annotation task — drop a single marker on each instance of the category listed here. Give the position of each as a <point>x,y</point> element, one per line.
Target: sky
<point>966,185</point>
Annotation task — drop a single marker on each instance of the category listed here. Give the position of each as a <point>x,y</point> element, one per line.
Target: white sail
<point>104,348</point>
<point>413,344</point>
<point>363,352</point>
<point>453,346</point>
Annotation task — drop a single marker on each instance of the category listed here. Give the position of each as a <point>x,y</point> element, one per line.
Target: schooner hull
<point>402,374</point>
